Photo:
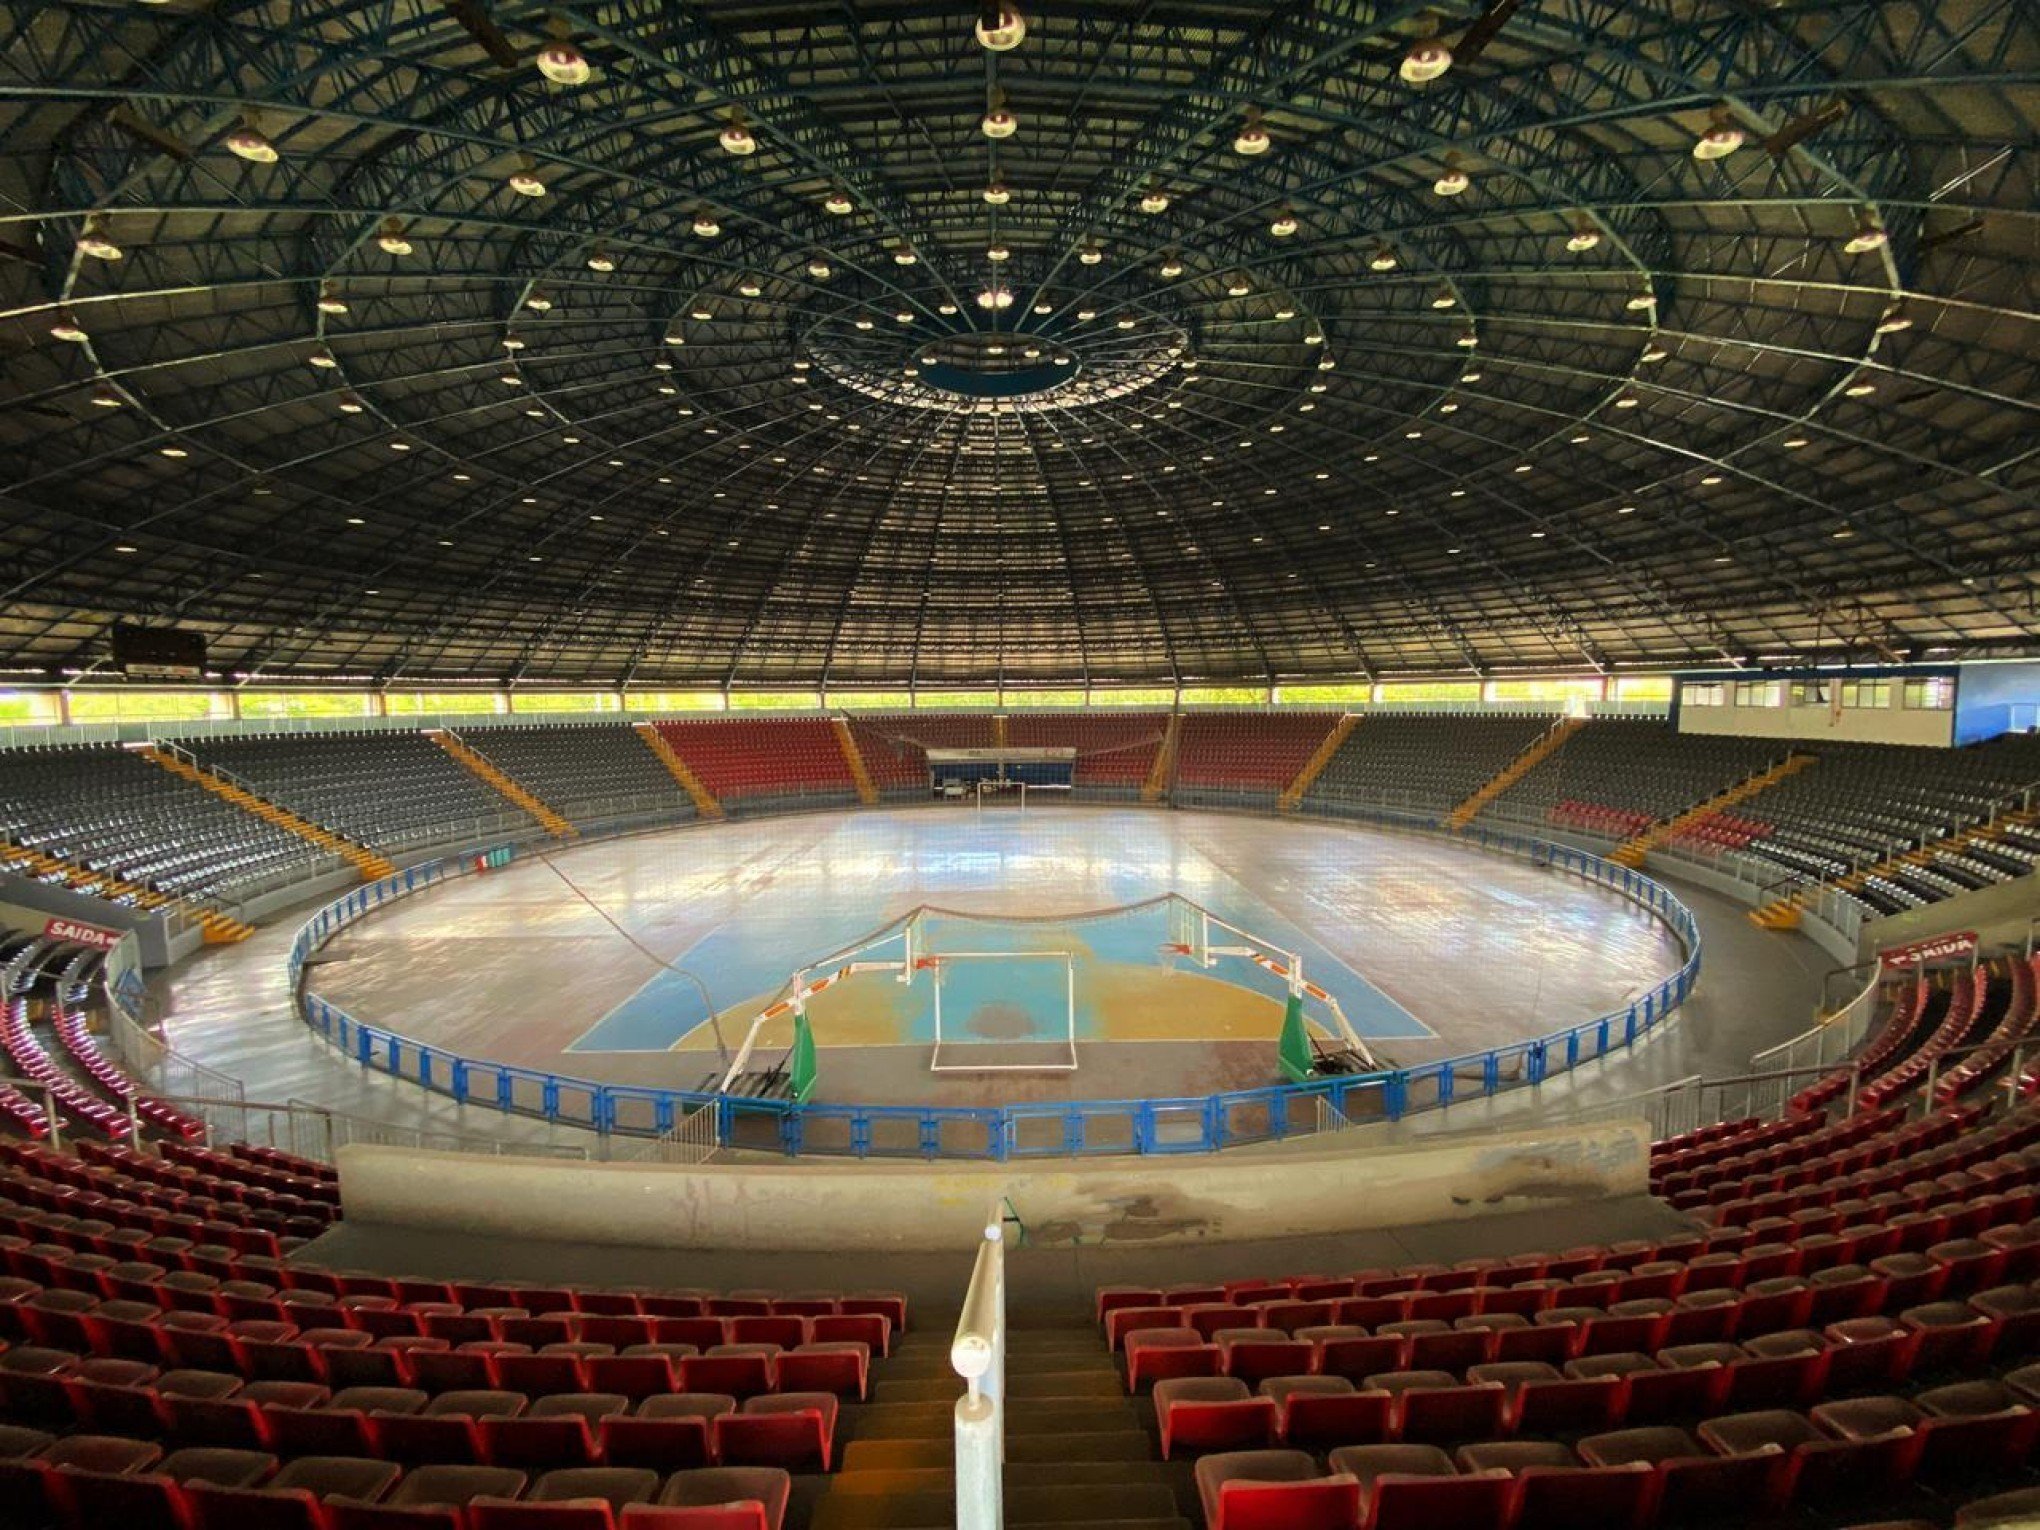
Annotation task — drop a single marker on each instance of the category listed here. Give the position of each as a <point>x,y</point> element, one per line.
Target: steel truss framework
<point>1419,434</point>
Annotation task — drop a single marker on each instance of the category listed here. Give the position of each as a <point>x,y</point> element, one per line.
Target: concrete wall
<point>815,1206</point>
<point>2002,915</point>
<point>32,903</point>
<point>1893,724</point>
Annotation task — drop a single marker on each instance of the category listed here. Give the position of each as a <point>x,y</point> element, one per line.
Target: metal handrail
<point>978,1354</point>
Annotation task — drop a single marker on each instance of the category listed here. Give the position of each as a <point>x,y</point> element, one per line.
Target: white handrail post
<point>978,1354</point>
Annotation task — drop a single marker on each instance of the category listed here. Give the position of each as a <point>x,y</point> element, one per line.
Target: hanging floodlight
<point>1869,234</point>
<point>1170,268</point>
<point>1000,28</point>
<point>537,301</point>
<point>1154,200</point>
<point>94,240</point>
<point>1383,259</point>
<point>559,60</point>
<point>837,204</point>
<point>1283,225</point>
<point>820,269</point>
<point>1252,139</point>
<point>1584,237</point>
<point>524,180</point>
<point>1427,59</point>
<point>599,259</point>
<point>998,121</point>
<point>1721,139</point>
<point>392,238</point>
<point>998,194</point>
<point>735,137</point>
<point>1090,255</point>
<point>249,142</point>
<point>1452,181</point>
<point>329,300</point>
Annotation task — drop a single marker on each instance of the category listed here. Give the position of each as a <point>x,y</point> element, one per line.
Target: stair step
<point>911,1420</point>
<point>880,1509</point>
<point>1020,1387</point>
<point>1122,1445</point>
<point>942,1479</point>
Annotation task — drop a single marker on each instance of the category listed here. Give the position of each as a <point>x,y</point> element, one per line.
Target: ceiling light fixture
<point>513,342</point>
<point>1383,259</point>
<point>249,142</point>
<point>1444,298</point>
<point>903,255</point>
<point>329,300</point>
<point>998,194</point>
<point>1895,320</point>
<point>1154,200</point>
<point>106,396</point>
<point>997,252</point>
<point>1869,234</point>
<point>392,238</point>
<point>1170,268</point>
<point>1721,139</point>
<point>559,60</point>
<point>749,286</point>
<point>350,403</point>
<point>524,179</point>
<point>1452,180</point>
<point>820,269</point>
<point>838,204</point>
<point>1283,224</point>
<point>1237,285</point>
<point>1252,139</point>
<point>705,226</point>
<point>93,240</point>
<point>735,137</point>
<point>1584,237</point>
<point>995,299</point>
<point>1638,302</point>
<point>599,259</point>
<point>537,301</point>
<point>998,121</point>
<point>1000,28</point>
<point>1427,59</point>
<point>1090,255</point>
<point>323,359</point>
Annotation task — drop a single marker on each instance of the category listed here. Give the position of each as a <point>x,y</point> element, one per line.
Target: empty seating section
<point>391,791</point>
<point>110,810</point>
<point>761,761</point>
<point>1245,756</point>
<point>588,772</point>
<point>897,765</point>
<point>1616,776</point>
<point>1871,1342</point>
<point>160,1359</point>
<point>1115,750</point>
<point>1431,762</point>
<point>1863,804</point>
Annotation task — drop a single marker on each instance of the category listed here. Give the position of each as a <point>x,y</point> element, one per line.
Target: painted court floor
<point>593,960</point>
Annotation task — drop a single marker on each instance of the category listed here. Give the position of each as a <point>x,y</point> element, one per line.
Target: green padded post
<point>802,1071</point>
<point>1293,1051</point>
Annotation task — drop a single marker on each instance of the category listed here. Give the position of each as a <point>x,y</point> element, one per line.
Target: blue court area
<point>1032,876</point>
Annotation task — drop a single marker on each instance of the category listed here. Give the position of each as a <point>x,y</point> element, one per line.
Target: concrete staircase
<point>456,746</point>
<point>1542,747</point>
<point>867,793</point>
<point>1079,1453</point>
<point>372,866</point>
<point>219,929</point>
<point>1632,850</point>
<point>1314,767</point>
<point>1163,771</point>
<point>705,804</point>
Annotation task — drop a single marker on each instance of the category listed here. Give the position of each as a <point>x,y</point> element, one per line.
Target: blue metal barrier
<point>1185,1124</point>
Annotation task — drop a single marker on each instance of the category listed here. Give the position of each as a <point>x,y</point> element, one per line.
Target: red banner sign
<point>82,934</point>
<point>1939,948</point>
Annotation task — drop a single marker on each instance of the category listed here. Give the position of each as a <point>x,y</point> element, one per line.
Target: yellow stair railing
<point>372,865</point>
<point>1633,849</point>
<point>705,804</point>
<point>1163,770</point>
<point>459,748</point>
<point>867,793</point>
<point>1541,747</point>
<point>1292,794</point>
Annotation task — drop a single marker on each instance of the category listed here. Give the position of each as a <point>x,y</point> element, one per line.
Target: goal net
<point>1004,1011</point>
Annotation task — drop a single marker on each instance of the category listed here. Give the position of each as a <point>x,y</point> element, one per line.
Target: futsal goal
<point>1004,1011</point>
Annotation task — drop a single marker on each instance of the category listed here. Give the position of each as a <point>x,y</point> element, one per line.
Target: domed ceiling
<point>755,344</point>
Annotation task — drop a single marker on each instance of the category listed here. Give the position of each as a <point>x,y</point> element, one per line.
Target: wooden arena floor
<point>1433,948</point>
